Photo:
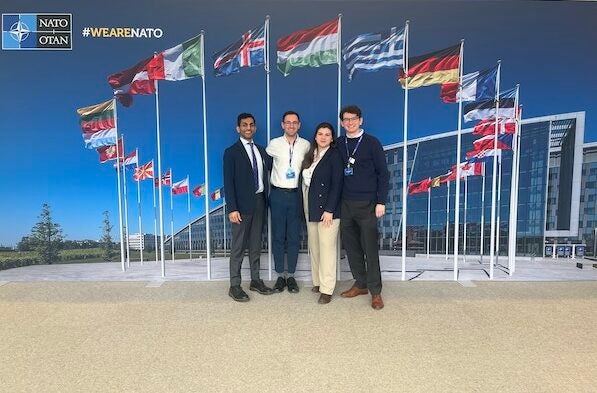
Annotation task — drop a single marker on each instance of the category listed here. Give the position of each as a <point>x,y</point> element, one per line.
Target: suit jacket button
<point>320,195</point>
<point>321,207</point>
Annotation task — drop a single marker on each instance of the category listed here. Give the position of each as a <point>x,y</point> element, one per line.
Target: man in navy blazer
<point>246,168</point>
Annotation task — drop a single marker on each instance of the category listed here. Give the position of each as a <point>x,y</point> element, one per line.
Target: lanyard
<point>291,152</point>
<point>355,148</point>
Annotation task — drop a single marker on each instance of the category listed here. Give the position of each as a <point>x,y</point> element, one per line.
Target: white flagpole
<point>447,221</point>
<point>498,214</point>
<point>205,159</point>
<point>160,195</point>
<point>404,151</point>
<point>458,153</point>
<point>268,121</point>
<point>428,219</point>
<point>224,221</point>
<point>494,173</point>
<point>155,221</point>
<point>141,236</point>
<point>119,195</point>
<point>126,211</point>
<point>189,209</point>
<point>465,207</point>
<point>514,189</point>
<point>171,214</point>
<point>481,249</point>
<point>339,108</point>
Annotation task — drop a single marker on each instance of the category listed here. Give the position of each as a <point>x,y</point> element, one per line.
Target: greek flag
<point>375,51</point>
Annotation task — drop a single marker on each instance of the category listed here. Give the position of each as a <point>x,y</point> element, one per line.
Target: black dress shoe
<point>292,285</point>
<point>238,294</point>
<point>324,299</point>
<point>280,285</point>
<point>259,286</point>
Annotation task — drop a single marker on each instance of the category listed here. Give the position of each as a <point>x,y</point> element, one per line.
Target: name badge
<point>351,160</point>
<point>348,171</point>
<point>290,174</point>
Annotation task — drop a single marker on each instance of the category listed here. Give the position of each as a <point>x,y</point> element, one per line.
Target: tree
<point>47,237</point>
<point>26,244</point>
<point>107,245</point>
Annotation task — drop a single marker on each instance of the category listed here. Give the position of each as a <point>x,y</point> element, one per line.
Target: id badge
<point>348,171</point>
<point>290,174</point>
<point>351,160</point>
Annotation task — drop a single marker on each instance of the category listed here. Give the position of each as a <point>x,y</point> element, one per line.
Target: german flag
<point>433,68</point>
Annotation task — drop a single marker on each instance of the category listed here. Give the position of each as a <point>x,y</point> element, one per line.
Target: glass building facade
<point>551,207</point>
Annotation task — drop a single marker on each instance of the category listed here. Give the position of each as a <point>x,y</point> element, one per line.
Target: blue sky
<point>547,47</point>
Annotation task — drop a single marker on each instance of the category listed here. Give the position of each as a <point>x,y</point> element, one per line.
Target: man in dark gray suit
<point>246,167</point>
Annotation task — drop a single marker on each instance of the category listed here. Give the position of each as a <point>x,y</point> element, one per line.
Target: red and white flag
<point>199,190</point>
<point>180,187</point>
<point>487,126</point>
<point>107,153</point>
<point>144,172</point>
<point>469,169</point>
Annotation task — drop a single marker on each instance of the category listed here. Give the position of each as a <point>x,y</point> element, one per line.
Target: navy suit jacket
<point>326,186</point>
<point>238,178</point>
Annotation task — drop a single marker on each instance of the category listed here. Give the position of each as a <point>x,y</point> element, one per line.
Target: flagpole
<point>155,221</point>
<point>141,236</point>
<point>482,249</point>
<point>224,221</point>
<point>189,209</point>
<point>126,210</point>
<point>458,153</point>
<point>404,151</point>
<point>447,221</point>
<point>428,218</point>
<point>160,195</point>
<point>465,207</point>
<point>494,172</point>
<point>498,213</point>
<point>268,120</point>
<point>119,195</point>
<point>339,108</point>
<point>171,214</point>
<point>205,165</point>
<point>514,188</point>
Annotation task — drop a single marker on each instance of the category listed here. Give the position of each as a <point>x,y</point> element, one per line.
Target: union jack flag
<point>249,51</point>
<point>144,172</point>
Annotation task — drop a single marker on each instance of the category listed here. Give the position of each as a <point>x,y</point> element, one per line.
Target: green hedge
<point>9,263</point>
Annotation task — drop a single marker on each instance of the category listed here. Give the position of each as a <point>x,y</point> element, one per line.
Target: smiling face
<point>323,137</point>
<point>291,124</point>
<point>247,128</point>
<point>352,123</point>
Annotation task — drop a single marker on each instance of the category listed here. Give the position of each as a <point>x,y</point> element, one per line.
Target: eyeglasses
<point>350,119</point>
<point>291,123</point>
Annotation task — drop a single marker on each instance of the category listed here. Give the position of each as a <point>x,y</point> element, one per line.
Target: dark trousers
<point>286,226</point>
<point>247,234</point>
<point>358,226</point>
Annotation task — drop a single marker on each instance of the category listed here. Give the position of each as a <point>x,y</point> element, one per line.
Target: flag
<point>107,153</point>
<point>199,190</point>
<point>217,194</point>
<point>97,117</point>
<point>483,155</point>
<point>448,177</point>
<point>487,126</point>
<point>131,158</point>
<point>134,80</point>
<point>311,47</point>
<point>93,140</point>
<point>476,86</point>
<point>432,68</point>
<point>178,63</point>
<point>144,172</point>
<point>419,187</point>
<point>249,51</point>
<point>374,51</point>
<point>469,169</point>
<point>504,142</point>
<point>180,187</point>
<point>436,181</point>
<point>479,110</point>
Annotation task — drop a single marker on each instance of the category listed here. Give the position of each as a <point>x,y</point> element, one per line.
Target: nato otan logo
<point>37,31</point>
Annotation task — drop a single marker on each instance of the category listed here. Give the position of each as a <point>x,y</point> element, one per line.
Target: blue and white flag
<point>375,51</point>
<point>93,140</point>
<point>249,51</point>
<point>479,110</point>
<point>476,86</point>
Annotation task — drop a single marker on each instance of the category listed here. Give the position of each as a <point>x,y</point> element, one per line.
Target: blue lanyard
<point>355,148</point>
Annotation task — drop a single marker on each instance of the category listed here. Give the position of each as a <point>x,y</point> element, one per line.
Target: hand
<point>234,217</point>
<point>380,210</point>
<point>327,218</point>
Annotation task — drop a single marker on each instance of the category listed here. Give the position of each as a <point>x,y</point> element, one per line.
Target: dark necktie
<point>255,168</point>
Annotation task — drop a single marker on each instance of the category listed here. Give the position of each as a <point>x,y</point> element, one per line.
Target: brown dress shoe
<point>354,291</point>
<point>324,299</point>
<point>315,289</point>
<point>376,302</point>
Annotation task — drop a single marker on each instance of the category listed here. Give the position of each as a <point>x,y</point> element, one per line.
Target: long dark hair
<point>308,160</point>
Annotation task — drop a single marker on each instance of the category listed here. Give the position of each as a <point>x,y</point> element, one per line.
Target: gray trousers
<point>245,235</point>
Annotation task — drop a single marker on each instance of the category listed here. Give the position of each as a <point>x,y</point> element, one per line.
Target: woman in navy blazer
<point>321,185</point>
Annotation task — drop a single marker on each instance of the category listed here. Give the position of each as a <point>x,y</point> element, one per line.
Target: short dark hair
<point>290,113</point>
<point>355,110</point>
<point>242,116</point>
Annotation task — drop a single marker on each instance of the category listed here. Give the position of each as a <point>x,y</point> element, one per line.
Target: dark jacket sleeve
<point>336,181</point>
<point>383,175</point>
<point>229,174</point>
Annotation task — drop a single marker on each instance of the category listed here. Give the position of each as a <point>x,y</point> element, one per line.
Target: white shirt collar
<point>361,132</point>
